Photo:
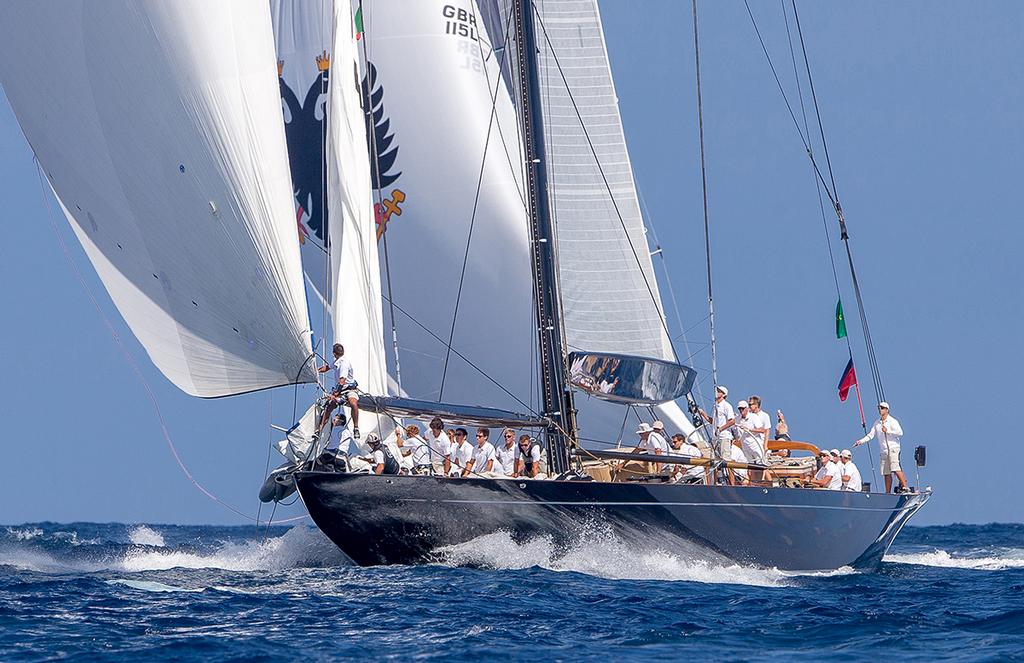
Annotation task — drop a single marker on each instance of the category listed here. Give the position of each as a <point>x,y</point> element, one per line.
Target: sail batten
<point>164,147</point>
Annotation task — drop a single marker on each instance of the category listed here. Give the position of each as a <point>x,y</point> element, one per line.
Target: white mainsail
<point>355,266</point>
<point>431,76</point>
<point>302,36</point>
<point>159,128</point>
<point>610,299</point>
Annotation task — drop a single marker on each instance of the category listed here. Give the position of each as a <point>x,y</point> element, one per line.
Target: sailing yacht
<point>450,181</point>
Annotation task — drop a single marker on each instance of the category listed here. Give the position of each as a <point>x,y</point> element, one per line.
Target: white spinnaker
<point>610,299</point>
<point>355,266</point>
<point>302,37</point>
<point>432,83</point>
<point>158,125</point>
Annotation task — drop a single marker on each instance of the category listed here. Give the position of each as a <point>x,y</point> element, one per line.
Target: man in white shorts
<point>888,431</point>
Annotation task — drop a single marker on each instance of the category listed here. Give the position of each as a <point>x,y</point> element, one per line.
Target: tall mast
<point>558,401</point>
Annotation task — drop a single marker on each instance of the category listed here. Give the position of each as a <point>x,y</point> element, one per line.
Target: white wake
<point>1008,558</point>
<point>609,557</point>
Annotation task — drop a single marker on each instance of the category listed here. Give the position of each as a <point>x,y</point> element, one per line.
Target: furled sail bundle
<point>441,123</point>
<point>303,34</point>
<point>159,128</point>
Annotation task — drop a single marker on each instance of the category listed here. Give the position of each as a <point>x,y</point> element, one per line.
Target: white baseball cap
<point>725,392</point>
<point>644,427</point>
<point>742,404</point>
<point>846,454</point>
<point>884,404</point>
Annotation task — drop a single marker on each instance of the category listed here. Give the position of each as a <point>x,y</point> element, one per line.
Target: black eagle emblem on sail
<point>306,135</point>
<point>378,128</point>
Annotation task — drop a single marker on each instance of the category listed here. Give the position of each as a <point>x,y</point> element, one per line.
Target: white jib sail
<point>431,75</point>
<point>159,127</point>
<point>354,263</point>
<point>302,36</point>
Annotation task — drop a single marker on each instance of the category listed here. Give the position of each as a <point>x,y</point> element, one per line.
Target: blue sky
<point>921,104</point>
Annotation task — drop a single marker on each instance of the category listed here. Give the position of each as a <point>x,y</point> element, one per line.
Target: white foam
<point>1009,558</point>
<point>26,534</point>
<point>300,546</point>
<point>141,535</point>
<point>606,556</point>
<point>150,586</point>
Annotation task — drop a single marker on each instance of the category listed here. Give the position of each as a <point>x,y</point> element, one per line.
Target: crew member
<point>381,459</point>
<point>482,460</point>
<point>505,454</point>
<point>828,469</point>
<point>722,422</point>
<point>345,387</point>
<point>848,471</point>
<point>527,457</point>
<point>888,432</point>
<point>686,474</point>
<point>440,445</point>
<point>461,452</point>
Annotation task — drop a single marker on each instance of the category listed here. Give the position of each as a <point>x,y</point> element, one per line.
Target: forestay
<point>159,127</point>
<point>302,36</point>
<point>431,76</point>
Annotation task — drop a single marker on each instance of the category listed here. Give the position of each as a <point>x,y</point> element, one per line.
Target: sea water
<point>85,591</point>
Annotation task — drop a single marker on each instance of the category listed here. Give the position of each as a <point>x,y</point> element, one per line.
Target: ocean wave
<point>142,535</point>
<point>299,547</point>
<point>611,558</point>
<point>1008,558</point>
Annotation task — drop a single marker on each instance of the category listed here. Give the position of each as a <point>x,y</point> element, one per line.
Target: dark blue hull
<point>410,519</point>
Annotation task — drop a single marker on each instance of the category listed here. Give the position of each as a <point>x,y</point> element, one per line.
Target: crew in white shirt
<point>505,454</point>
<point>686,473</point>
<point>750,441</point>
<point>461,452</point>
<point>722,422</point>
<point>888,432</point>
<point>827,471</point>
<point>440,446</point>
<point>483,458</point>
<point>646,444</point>
<point>762,422</point>
<point>848,472</point>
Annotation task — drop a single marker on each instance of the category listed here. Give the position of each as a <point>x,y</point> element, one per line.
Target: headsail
<point>165,147</point>
<point>355,266</point>
<point>303,36</point>
<point>432,75</point>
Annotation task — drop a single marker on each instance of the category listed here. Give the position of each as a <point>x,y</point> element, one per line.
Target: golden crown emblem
<point>323,61</point>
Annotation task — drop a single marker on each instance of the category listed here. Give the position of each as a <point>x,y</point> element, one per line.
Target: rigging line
<point>664,265</point>
<point>368,112</point>
<point>704,193</point>
<point>465,359</point>
<point>817,185</point>
<point>792,115</point>
<point>124,351</point>
<point>869,344</point>
<point>607,185</point>
<point>472,224</point>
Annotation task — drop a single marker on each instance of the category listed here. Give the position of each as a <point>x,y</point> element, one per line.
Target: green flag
<point>840,320</point>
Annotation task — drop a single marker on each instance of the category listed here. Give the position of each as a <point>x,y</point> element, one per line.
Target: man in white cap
<point>888,432</point>
<point>646,445</point>
<point>848,471</point>
<point>722,422</point>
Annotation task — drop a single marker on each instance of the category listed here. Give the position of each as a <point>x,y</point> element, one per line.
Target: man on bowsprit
<point>888,432</point>
<point>345,387</point>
